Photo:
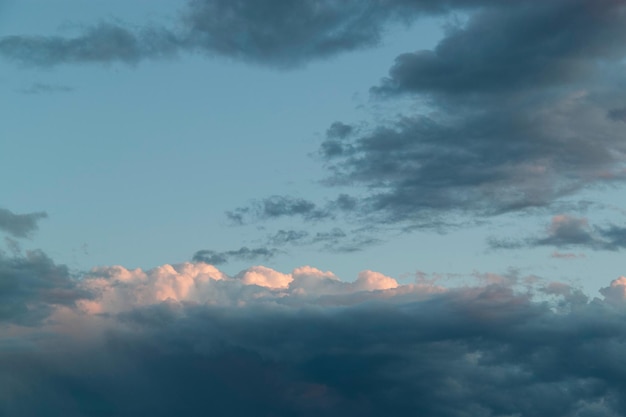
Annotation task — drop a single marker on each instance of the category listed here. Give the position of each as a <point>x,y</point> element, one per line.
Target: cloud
<point>276,207</point>
<point>19,225</point>
<point>566,231</point>
<point>32,286</point>
<point>268,32</point>
<point>307,343</point>
<point>515,48</point>
<point>513,117</point>
<point>244,253</point>
<point>103,43</point>
<point>284,237</point>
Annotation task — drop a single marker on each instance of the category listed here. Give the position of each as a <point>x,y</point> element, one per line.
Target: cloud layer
<point>188,339</point>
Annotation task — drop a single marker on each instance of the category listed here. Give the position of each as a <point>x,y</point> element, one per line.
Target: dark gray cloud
<point>567,232</point>
<point>276,207</point>
<point>278,33</point>
<point>516,117</point>
<point>103,43</point>
<point>617,114</point>
<point>288,237</point>
<point>19,225</point>
<point>31,285</point>
<point>484,351</point>
<point>519,47</point>
<point>243,254</point>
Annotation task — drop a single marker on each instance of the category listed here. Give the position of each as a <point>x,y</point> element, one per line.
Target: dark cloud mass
<point>517,98</point>
<point>19,225</point>
<point>490,350</point>
<point>31,285</point>
<point>277,33</point>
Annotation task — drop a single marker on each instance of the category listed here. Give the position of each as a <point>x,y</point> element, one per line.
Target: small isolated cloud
<point>103,43</point>
<point>19,225</point>
<point>284,237</point>
<point>566,231</point>
<point>275,207</point>
<point>335,239</point>
<point>244,253</point>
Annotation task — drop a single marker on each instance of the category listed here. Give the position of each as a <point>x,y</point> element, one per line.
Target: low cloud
<point>188,339</point>
<point>19,225</point>
<point>32,286</point>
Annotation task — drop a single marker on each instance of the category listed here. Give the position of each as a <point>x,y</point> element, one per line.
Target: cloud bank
<point>189,339</point>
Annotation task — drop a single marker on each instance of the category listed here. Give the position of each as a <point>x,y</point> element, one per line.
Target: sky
<point>322,207</point>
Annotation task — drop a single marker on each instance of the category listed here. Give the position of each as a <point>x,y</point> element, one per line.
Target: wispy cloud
<point>244,253</point>
<point>19,225</point>
<point>567,231</point>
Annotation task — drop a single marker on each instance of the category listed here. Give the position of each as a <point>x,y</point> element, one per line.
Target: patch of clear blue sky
<point>137,165</point>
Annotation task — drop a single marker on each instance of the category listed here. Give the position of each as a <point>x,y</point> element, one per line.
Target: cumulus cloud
<point>19,225</point>
<point>187,339</point>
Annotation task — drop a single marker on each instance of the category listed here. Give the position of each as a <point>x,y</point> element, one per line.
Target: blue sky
<point>278,165</point>
<point>137,163</point>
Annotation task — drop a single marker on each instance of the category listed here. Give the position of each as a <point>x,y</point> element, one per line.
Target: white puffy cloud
<point>118,289</point>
